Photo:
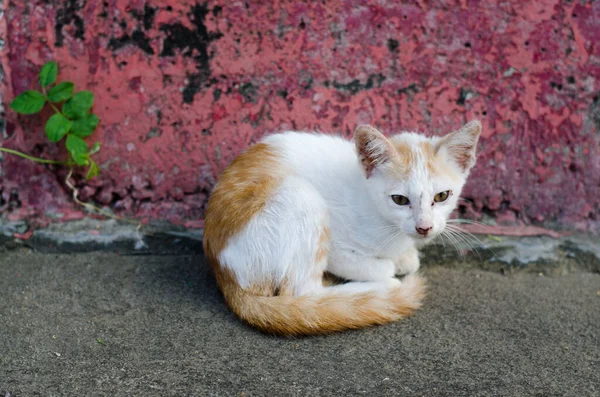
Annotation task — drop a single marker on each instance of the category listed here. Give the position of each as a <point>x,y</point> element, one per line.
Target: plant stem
<point>28,157</point>
<point>49,102</point>
<point>55,108</point>
<point>92,207</point>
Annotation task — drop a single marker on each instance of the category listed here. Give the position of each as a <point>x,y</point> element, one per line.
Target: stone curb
<point>541,254</point>
<point>90,235</point>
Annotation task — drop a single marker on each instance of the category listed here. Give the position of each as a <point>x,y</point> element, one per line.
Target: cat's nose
<point>423,231</point>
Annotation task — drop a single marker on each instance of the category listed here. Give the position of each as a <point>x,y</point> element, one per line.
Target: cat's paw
<point>408,262</point>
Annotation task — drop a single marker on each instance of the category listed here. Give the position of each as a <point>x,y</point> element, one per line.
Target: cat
<point>297,205</point>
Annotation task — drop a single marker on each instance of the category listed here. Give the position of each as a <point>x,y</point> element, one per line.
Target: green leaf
<point>57,126</point>
<point>61,91</point>
<point>82,159</point>
<point>78,149</point>
<point>93,171</point>
<point>48,74</point>
<point>94,149</point>
<point>29,102</point>
<point>78,105</point>
<point>100,341</point>
<point>85,126</point>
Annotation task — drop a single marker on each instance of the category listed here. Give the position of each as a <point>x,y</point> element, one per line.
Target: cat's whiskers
<point>453,241</point>
<point>388,240</point>
<point>462,242</point>
<point>467,221</point>
<point>470,236</point>
<point>459,233</point>
<point>440,238</point>
<point>384,228</point>
<point>467,238</point>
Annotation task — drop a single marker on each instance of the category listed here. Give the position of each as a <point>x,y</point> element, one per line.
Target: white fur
<point>282,240</point>
<point>372,238</point>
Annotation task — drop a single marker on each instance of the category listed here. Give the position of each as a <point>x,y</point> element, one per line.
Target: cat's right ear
<point>373,148</point>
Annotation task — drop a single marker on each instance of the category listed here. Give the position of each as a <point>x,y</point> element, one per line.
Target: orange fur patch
<point>409,157</point>
<point>406,159</point>
<point>436,165</point>
<point>323,245</point>
<point>429,156</point>
<point>242,192</point>
<point>285,288</point>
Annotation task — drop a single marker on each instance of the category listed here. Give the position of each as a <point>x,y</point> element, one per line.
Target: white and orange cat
<point>297,205</point>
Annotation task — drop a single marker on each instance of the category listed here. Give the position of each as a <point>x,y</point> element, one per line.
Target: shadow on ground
<point>104,324</point>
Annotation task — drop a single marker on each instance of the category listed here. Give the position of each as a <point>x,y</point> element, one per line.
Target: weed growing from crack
<point>73,121</point>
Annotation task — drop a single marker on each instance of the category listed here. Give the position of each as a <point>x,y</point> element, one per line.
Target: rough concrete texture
<point>101,324</point>
<point>183,86</point>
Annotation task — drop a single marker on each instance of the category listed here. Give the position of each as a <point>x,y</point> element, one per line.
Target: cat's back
<point>306,141</point>
<point>314,154</point>
<point>327,162</point>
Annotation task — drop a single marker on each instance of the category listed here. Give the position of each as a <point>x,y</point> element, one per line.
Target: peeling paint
<point>184,86</point>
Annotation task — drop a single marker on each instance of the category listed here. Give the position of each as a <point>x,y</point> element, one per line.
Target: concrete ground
<point>105,324</point>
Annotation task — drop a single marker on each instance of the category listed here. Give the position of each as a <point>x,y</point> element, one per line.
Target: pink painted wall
<point>183,86</point>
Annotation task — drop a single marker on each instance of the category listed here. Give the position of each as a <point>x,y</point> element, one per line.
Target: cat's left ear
<point>373,148</point>
<point>461,145</point>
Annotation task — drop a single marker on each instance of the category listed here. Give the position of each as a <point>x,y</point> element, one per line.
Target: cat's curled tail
<point>337,308</point>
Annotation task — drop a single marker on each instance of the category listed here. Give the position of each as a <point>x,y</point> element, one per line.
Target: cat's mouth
<point>424,237</point>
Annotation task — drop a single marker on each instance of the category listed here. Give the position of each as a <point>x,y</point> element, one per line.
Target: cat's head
<point>415,181</point>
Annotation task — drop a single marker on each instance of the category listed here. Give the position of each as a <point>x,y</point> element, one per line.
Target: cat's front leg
<point>408,262</point>
<point>355,267</point>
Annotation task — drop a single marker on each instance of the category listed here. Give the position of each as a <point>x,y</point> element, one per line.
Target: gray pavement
<point>105,324</point>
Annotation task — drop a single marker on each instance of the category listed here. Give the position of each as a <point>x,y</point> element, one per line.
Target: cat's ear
<point>373,148</point>
<point>460,145</point>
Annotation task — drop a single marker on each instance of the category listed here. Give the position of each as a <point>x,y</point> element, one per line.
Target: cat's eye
<point>441,196</point>
<point>400,200</point>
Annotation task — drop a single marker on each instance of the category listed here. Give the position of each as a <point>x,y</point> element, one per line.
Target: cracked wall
<point>183,86</point>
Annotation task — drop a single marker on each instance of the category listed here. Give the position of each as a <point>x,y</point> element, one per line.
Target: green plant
<point>73,120</point>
